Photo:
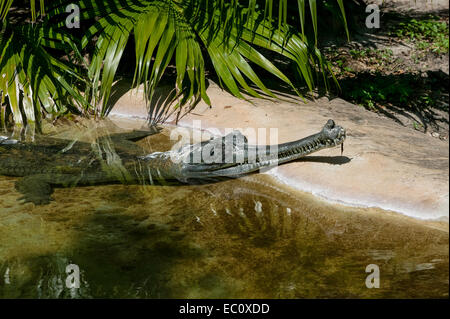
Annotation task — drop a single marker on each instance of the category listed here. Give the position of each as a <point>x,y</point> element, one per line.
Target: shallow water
<point>244,238</point>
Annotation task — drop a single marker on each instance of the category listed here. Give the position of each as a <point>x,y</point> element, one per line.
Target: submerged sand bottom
<point>243,238</point>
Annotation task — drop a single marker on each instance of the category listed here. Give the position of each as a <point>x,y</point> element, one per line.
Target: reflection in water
<point>244,238</point>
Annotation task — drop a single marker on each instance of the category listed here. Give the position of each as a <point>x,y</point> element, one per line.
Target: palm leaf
<point>5,5</point>
<point>190,31</point>
<point>228,33</point>
<point>32,81</point>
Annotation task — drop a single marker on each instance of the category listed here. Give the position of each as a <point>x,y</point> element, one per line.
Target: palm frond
<point>32,81</point>
<point>229,33</point>
<point>234,35</point>
<point>5,5</point>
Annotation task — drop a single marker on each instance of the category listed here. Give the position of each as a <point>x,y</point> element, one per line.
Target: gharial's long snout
<point>253,157</point>
<point>331,135</point>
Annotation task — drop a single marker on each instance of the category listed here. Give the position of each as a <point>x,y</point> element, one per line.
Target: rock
<point>387,165</point>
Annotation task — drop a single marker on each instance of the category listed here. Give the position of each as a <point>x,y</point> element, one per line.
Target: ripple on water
<point>244,238</point>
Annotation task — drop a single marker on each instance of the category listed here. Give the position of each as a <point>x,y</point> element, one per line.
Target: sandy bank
<point>384,164</point>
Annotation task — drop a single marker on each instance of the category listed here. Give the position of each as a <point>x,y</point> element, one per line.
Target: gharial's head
<point>332,134</point>
<point>231,155</point>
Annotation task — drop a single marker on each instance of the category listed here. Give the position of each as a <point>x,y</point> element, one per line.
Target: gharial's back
<point>46,155</point>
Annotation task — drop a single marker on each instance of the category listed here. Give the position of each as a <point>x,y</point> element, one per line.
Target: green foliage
<point>373,60</point>
<point>428,34</point>
<point>417,126</point>
<point>32,81</point>
<point>377,80</point>
<point>406,91</point>
<point>370,93</point>
<point>233,35</point>
<point>383,54</point>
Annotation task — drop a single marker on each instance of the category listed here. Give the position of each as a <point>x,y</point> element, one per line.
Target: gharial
<point>55,162</point>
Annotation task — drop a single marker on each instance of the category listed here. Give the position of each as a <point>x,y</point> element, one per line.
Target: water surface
<point>243,238</point>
